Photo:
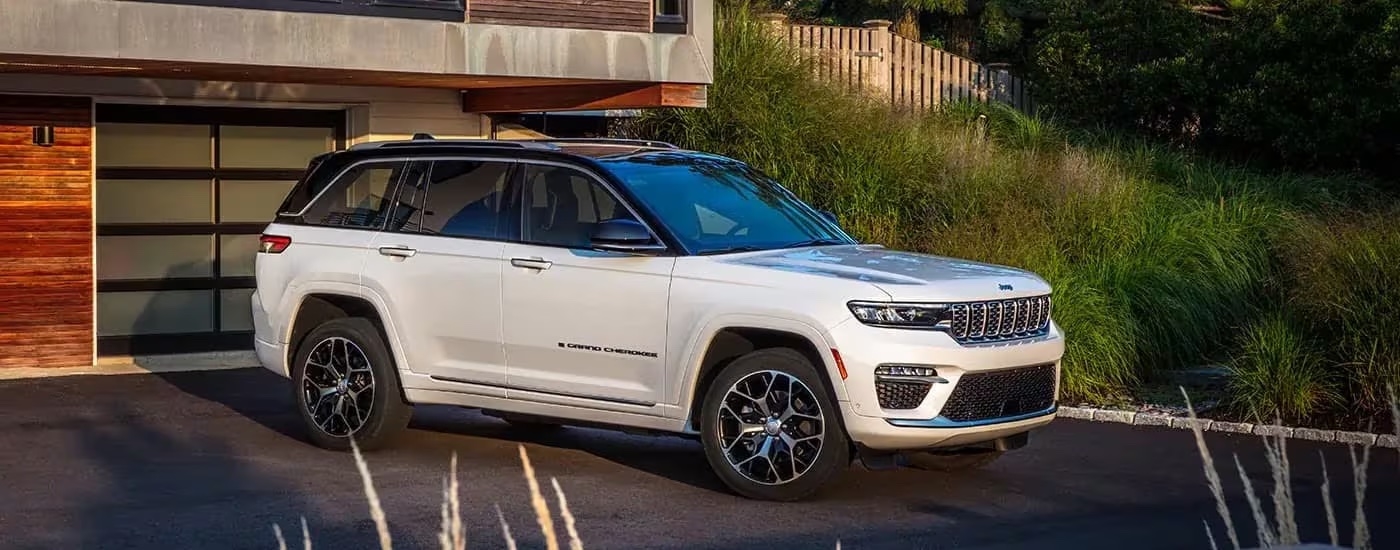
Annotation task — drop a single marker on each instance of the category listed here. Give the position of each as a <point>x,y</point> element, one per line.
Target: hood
<point>905,276</point>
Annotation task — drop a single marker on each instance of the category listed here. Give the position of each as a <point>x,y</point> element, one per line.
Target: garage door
<point>182,195</point>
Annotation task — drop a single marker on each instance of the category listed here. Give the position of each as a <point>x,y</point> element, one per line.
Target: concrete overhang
<point>115,38</point>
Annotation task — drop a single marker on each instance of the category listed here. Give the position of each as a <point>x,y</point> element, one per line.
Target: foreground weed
<point>1281,531</point>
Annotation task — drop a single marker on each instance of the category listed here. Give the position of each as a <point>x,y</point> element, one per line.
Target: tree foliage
<point>1309,83</point>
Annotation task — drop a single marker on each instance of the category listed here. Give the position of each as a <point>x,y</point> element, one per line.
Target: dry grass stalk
<point>281,542</point>
<point>452,536</point>
<point>1361,532</point>
<point>575,543</point>
<point>1211,476</point>
<point>505,529</point>
<point>1327,503</point>
<point>375,510</point>
<point>1267,537</point>
<point>542,514</point>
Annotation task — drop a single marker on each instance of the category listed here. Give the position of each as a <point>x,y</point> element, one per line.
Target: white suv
<point>635,285</point>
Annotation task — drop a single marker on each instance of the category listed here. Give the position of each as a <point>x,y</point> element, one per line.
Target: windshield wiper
<point>815,242</point>
<point>730,250</point>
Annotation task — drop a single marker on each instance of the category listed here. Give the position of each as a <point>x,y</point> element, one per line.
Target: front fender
<point>684,391</point>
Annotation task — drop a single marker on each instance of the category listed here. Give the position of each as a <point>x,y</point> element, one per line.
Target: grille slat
<point>1000,320</point>
<point>1000,394</point>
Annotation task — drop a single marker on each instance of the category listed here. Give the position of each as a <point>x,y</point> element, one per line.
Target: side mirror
<point>623,235</point>
<point>830,216</point>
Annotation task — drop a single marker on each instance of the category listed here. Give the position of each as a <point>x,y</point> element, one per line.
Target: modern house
<point>145,143</point>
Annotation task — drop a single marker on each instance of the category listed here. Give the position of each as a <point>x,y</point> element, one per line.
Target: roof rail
<point>419,141</point>
<point>609,141</point>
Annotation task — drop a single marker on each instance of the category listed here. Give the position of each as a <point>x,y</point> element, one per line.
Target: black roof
<point>585,147</point>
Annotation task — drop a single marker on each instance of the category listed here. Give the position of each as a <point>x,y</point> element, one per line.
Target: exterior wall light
<point>43,136</point>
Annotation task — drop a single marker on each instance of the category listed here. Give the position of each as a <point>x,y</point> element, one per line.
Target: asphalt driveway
<point>214,459</point>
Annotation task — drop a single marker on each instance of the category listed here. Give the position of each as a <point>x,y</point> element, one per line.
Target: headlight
<point>886,314</point>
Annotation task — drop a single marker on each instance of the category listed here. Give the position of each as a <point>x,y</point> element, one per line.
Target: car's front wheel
<point>346,386</point>
<point>770,428</point>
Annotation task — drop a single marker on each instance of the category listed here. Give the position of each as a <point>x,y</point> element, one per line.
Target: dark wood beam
<point>583,97</point>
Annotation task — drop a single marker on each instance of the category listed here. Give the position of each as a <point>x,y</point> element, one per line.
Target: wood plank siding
<point>46,288</point>
<point>610,15</point>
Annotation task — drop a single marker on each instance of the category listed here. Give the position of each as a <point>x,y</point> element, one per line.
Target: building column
<point>46,238</point>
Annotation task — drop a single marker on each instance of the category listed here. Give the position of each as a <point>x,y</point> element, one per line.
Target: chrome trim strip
<point>944,422</point>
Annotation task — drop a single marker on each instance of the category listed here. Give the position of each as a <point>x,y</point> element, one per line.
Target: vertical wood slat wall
<point>911,75</point>
<point>46,288</point>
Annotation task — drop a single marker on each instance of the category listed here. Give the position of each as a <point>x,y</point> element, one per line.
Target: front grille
<point>901,394</point>
<point>999,394</point>
<point>1000,320</point>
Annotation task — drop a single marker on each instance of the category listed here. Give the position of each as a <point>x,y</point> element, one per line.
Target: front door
<point>580,322</point>
<point>438,269</point>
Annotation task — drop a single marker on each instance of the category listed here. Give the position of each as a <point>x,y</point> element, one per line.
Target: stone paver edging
<point>1135,418</point>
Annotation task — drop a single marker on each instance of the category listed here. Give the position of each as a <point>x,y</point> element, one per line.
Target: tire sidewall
<point>388,412</point>
<point>834,456</point>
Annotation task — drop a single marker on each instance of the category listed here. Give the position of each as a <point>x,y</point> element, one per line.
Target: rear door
<point>580,323</point>
<point>438,269</point>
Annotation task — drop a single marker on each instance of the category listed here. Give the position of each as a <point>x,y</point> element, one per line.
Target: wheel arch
<point>317,307</point>
<point>726,341</point>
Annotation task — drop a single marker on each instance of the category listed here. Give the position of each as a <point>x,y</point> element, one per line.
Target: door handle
<point>400,251</point>
<point>532,263</point>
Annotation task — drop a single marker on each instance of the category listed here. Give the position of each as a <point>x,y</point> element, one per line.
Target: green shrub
<point>1279,375</point>
<point>1345,280</point>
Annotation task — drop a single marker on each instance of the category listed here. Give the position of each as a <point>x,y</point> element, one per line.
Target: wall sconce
<point>43,136</point>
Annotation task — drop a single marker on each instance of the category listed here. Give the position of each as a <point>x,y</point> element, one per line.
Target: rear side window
<point>467,198</point>
<point>359,198</point>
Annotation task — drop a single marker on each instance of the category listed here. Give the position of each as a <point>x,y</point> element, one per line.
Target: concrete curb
<point>1390,441</point>
<point>192,362</point>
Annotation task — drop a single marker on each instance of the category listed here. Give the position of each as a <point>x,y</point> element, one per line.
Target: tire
<point>387,415</point>
<point>719,425</point>
<point>952,462</point>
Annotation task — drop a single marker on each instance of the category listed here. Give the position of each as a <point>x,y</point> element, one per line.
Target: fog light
<point>905,370</point>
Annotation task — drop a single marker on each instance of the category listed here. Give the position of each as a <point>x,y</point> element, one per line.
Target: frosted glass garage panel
<point>236,309</point>
<point>154,145</point>
<point>237,254</point>
<point>251,201</point>
<point>272,146</point>
<point>154,257</point>
<point>155,201</point>
<point>158,312</point>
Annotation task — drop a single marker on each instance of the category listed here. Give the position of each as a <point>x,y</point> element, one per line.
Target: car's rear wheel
<point>346,386</point>
<point>770,428</point>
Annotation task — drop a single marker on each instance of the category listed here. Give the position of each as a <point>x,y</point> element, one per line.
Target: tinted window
<point>465,199</point>
<point>714,204</point>
<point>358,198</point>
<point>562,205</point>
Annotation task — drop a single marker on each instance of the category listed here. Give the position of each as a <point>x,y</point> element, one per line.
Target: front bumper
<point>863,348</point>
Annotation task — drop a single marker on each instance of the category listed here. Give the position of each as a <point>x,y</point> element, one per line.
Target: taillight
<point>273,244</point>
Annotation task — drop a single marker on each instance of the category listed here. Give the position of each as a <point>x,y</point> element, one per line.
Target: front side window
<point>563,205</point>
<point>358,198</point>
<point>715,205</point>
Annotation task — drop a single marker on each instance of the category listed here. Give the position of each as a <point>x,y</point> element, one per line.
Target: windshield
<point>715,205</point>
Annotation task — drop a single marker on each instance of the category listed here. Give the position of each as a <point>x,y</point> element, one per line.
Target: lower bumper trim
<point>944,422</point>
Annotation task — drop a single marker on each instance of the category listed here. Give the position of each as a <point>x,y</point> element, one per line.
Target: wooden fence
<point>913,76</point>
